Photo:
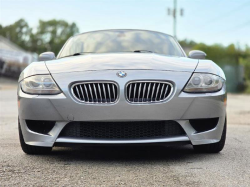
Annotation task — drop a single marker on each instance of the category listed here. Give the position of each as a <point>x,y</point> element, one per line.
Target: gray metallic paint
<point>35,68</point>
<point>197,54</point>
<point>46,56</point>
<point>208,66</point>
<point>180,106</point>
<point>121,61</point>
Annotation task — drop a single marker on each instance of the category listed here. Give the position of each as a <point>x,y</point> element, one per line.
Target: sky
<point>208,21</point>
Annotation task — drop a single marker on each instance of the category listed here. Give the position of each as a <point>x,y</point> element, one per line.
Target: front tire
<point>214,147</point>
<point>30,149</point>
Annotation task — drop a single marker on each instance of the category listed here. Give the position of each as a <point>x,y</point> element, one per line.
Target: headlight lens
<point>40,84</point>
<point>202,82</point>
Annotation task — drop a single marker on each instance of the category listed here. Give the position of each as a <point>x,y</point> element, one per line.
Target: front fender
<point>208,66</point>
<point>35,68</point>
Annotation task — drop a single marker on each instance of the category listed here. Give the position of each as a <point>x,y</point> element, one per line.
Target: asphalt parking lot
<point>125,166</point>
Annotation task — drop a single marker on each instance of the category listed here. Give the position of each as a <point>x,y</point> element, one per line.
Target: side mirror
<point>196,54</point>
<point>46,56</point>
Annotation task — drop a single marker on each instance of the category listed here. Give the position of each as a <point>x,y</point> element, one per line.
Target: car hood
<point>121,61</point>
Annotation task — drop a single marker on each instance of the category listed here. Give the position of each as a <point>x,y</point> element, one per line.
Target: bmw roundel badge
<point>121,74</point>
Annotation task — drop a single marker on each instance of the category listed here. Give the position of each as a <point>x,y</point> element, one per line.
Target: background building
<point>13,59</point>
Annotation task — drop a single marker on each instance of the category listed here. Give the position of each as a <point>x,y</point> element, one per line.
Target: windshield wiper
<point>143,51</point>
<point>76,54</point>
<point>136,51</point>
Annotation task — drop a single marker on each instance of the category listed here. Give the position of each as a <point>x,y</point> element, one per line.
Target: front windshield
<point>115,41</point>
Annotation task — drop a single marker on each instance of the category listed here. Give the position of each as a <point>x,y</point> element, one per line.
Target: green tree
<point>51,35</point>
<point>187,44</point>
<point>18,33</point>
<point>245,61</point>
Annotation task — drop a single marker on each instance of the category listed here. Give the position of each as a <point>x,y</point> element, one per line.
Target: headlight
<point>40,84</point>
<point>202,82</point>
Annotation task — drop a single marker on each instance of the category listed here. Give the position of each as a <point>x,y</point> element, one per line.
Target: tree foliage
<point>51,35</point>
<point>218,53</point>
<point>245,61</point>
<point>48,36</point>
<point>19,33</point>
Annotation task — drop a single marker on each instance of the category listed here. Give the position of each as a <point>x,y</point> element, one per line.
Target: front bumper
<point>211,136</point>
<point>180,107</point>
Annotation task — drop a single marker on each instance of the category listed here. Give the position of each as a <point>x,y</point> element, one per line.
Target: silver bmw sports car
<point>122,87</point>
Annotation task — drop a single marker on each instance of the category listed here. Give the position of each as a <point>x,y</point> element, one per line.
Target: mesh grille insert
<point>122,130</point>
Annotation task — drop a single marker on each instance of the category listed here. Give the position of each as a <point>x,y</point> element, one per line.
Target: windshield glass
<point>115,41</point>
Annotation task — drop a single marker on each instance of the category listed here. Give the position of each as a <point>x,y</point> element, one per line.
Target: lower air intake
<point>202,125</point>
<point>122,130</point>
<point>42,127</point>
